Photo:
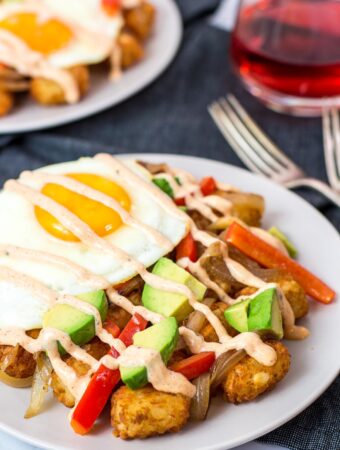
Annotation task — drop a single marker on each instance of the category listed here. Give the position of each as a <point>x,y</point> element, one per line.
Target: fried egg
<point>26,226</point>
<point>65,32</point>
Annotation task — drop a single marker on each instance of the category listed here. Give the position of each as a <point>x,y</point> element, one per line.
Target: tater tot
<point>95,348</point>
<point>248,379</point>
<point>6,103</point>
<point>131,48</point>
<point>140,19</point>
<point>146,412</point>
<point>48,92</point>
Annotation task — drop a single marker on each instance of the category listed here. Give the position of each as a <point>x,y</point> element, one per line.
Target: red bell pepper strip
<point>135,324</point>
<point>268,256</point>
<point>208,185</point>
<point>195,365</point>
<point>102,383</point>
<point>111,327</point>
<point>180,201</point>
<point>187,248</point>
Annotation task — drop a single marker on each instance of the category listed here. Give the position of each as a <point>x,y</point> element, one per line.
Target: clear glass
<point>287,53</point>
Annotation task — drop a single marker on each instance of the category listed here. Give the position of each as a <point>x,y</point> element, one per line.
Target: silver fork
<point>258,151</point>
<point>331,138</point>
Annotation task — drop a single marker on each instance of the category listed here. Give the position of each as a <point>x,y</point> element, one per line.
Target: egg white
<point>90,17</point>
<point>19,227</point>
<point>94,32</point>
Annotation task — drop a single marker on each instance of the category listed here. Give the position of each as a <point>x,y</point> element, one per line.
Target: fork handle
<point>317,185</point>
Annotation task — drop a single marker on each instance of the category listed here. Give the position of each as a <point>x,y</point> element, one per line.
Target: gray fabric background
<point>171,116</point>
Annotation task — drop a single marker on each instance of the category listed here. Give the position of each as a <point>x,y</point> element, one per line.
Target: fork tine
<point>336,132</point>
<point>223,124</point>
<point>329,147</point>
<point>268,144</point>
<point>264,156</point>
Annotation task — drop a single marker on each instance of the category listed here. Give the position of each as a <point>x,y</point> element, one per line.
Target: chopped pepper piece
<point>208,185</point>
<point>187,248</point>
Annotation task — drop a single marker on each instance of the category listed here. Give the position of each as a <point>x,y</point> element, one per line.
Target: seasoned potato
<point>208,331</point>
<point>146,412</point>
<point>132,50</point>
<point>17,361</point>
<point>140,19</point>
<point>95,348</point>
<point>248,379</point>
<point>48,92</point>
<point>247,207</point>
<point>294,293</point>
<point>6,103</point>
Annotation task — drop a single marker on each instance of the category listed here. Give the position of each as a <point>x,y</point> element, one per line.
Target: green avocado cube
<point>237,315</point>
<point>264,315</point>
<point>77,324</point>
<point>170,304</point>
<point>162,337</point>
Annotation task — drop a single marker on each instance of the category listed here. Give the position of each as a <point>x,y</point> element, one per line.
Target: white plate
<point>160,50</point>
<point>315,362</point>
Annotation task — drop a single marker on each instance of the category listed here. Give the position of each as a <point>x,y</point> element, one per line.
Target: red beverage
<point>291,47</point>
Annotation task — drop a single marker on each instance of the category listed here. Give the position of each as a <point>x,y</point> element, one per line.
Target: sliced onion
<point>222,365</point>
<point>223,222</point>
<point>200,402</point>
<point>197,319</point>
<point>15,382</point>
<point>41,379</point>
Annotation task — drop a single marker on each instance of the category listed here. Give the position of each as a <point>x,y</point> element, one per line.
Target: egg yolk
<point>101,219</point>
<point>45,37</point>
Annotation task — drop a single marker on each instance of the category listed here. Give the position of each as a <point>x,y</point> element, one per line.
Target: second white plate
<point>160,50</point>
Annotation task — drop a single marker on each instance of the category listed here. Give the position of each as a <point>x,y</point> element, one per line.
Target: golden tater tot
<point>140,19</point>
<point>95,348</point>
<point>6,103</point>
<point>146,412</point>
<point>48,92</point>
<point>248,379</point>
<point>208,332</point>
<point>294,293</point>
<point>132,50</point>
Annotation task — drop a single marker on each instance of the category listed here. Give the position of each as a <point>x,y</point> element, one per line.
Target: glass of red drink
<point>287,53</point>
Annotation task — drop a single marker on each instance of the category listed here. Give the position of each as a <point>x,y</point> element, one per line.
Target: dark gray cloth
<point>171,116</point>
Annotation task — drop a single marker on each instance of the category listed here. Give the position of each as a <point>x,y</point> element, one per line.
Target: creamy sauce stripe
<point>158,374</point>
<point>99,197</point>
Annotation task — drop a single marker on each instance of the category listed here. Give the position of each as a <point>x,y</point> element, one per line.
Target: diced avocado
<point>161,337</point>
<point>292,250</point>
<point>77,324</point>
<point>264,315</point>
<point>237,315</point>
<point>167,303</point>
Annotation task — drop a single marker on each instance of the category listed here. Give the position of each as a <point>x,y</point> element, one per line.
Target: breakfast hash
<point>137,285</point>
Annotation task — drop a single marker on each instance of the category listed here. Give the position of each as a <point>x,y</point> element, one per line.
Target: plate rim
<point>70,116</point>
<point>285,417</point>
